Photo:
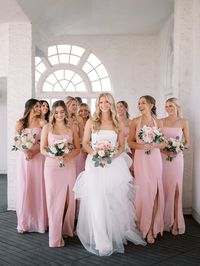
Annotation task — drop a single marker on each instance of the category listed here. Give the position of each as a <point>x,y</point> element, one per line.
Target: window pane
<point>93,103</point>
<point>77,50</point>
<point>70,87</point>
<point>69,74</point>
<point>64,58</point>
<point>87,68</point>
<point>106,86</point>
<point>53,101</point>
<point>76,79</point>
<point>93,60</point>
<point>52,50</point>
<point>37,60</point>
<point>64,83</point>
<point>51,79</point>
<point>47,87</point>
<point>102,71</point>
<point>37,75</point>
<point>59,74</point>
<point>54,60</point>
<point>93,75</point>
<point>57,87</point>
<point>41,67</point>
<point>84,100</point>
<point>96,86</point>
<point>64,49</point>
<point>74,60</point>
<point>80,87</point>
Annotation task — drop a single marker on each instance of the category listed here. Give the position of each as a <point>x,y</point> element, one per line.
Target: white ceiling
<point>61,17</point>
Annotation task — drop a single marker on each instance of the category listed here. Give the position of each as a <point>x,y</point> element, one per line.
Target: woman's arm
<point>186,134</point>
<point>121,141</point>
<point>44,140</point>
<point>132,140</point>
<point>87,138</point>
<point>76,149</point>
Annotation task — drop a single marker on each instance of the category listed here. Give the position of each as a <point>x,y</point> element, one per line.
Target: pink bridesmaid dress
<point>59,183</point>
<point>31,201</point>
<point>172,177</point>
<point>148,178</point>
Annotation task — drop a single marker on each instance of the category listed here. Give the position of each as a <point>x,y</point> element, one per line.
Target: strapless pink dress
<point>59,183</point>
<point>172,177</point>
<point>31,201</point>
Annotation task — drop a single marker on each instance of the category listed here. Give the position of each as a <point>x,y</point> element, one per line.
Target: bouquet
<point>59,148</point>
<point>150,135</point>
<point>174,145</point>
<point>104,153</point>
<point>24,141</point>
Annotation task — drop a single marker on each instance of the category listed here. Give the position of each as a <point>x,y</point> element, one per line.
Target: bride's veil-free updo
<point>98,114</point>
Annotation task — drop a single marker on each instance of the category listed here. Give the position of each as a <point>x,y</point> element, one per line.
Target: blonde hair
<point>97,117</point>
<point>175,101</point>
<point>52,119</point>
<point>88,109</point>
<point>68,100</point>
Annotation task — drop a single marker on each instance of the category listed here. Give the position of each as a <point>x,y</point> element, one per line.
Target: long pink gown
<point>31,201</point>
<point>59,183</point>
<point>172,177</point>
<point>148,178</point>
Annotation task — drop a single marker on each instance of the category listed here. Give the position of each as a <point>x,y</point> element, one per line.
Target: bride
<point>107,215</point>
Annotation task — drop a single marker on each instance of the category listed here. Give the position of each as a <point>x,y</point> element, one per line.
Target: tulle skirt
<point>107,214</point>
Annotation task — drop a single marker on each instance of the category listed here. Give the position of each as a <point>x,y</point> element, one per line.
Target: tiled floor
<point>32,248</point>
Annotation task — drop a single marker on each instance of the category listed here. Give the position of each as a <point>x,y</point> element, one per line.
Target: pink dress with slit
<point>172,177</point>
<point>31,202</point>
<point>59,183</point>
<point>148,178</point>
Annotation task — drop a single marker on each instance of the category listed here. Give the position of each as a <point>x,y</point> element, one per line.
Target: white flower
<point>101,153</point>
<point>53,150</point>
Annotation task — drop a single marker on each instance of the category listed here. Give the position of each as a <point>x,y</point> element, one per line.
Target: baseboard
<point>196,216</point>
<point>187,211</point>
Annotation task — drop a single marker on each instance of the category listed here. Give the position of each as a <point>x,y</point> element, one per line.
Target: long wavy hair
<point>125,104</point>
<point>68,100</point>
<point>152,101</point>
<point>97,117</point>
<point>175,101</point>
<point>29,105</point>
<point>56,104</point>
<point>46,117</point>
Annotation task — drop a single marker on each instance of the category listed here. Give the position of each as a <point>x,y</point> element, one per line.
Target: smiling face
<point>143,106</point>
<point>59,114</point>
<point>171,108</point>
<point>36,109</point>
<point>104,104</point>
<point>84,112</point>
<point>44,108</point>
<point>72,107</point>
<point>121,109</point>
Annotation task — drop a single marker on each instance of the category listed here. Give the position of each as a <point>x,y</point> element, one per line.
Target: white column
<point>19,90</point>
<point>183,81</point>
<point>196,113</point>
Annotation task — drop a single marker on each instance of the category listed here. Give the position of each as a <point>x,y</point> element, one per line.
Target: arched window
<point>70,70</point>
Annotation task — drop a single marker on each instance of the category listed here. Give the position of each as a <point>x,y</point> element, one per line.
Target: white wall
<point>4,44</point>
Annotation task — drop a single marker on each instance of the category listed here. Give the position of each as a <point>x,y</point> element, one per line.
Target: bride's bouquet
<point>174,145</point>
<point>104,153</point>
<point>24,141</point>
<point>150,135</point>
<point>58,149</point>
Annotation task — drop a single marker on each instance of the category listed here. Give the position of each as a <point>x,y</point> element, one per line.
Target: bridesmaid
<point>148,173</point>
<point>123,116</point>
<point>174,126</point>
<point>84,112</point>
<point>59,181</point>
<point>45,110</point>
<point>31,202</point>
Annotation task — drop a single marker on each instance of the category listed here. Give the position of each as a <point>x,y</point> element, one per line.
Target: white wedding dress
<point>107,215</point>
